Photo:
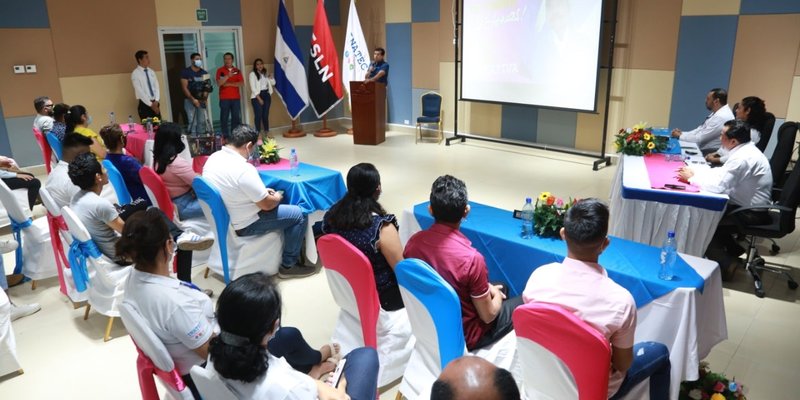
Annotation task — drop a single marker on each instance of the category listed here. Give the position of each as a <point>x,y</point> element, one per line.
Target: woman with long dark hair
<point>359,218</point>
<point>78,121</point>
<point>752,110</point>
<point>261,94</point>
<point>253,353</point>
<point>176,172</point>
<point>179,314</point>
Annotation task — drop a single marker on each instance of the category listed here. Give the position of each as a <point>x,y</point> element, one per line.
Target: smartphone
<point>337,374</point>
<point>676,187</point>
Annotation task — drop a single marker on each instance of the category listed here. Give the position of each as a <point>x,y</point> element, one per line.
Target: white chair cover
<point>150,345</point>
<point>209,385</point>
<point>107,279</point>
<point>245,254</point>
<point>8,346</point>
<point>22,198</point>
<point>37,252</point>
<point>52,208</point>
<point>393,332</point>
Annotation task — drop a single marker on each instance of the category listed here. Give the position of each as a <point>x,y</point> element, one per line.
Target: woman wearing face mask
<point>260,94</point>
<point>78,121</point>
<point>179,314</point>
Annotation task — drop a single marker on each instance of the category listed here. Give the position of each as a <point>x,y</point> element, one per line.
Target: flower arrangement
<point>268,151</point>
<point>638,141</point>
<point>548,214</point>
<point>154,121</point>
<point>711,386</point>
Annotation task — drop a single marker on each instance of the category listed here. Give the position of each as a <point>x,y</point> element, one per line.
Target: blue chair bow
<point>78,254</point>
<point>16,229</point>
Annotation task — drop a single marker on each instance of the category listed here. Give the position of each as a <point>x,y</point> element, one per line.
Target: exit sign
<point>202,14</point>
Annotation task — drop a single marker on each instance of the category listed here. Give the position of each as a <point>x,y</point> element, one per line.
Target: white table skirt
<point>648,221</point>
<point>688,322</point>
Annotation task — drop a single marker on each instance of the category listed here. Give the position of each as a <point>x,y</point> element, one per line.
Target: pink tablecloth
<point>663,172</point>
<point>283,164</point>
<point>135,140</point>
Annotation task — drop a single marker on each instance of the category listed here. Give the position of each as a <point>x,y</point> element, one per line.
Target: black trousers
<point>502,324</point>
<point>723,247</point>
<point>289,343</point>
<point>32,185</point>
<point>146,112</point>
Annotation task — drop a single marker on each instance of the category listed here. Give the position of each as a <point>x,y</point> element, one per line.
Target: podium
<point>368,100</point>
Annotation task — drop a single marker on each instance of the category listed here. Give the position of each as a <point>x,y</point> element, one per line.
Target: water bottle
<point>527,219</point>
<point>112,119</point>
<point>294,164</point>
<point>130,123</point>
<point>150,133</point>
<point>668,255</point>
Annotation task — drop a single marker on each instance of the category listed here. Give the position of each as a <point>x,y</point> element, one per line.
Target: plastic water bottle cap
<point>670,234</point>
<point>527,200</point>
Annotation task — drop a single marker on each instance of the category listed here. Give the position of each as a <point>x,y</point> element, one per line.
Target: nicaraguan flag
<point>355,57</point>
<point>324,83</point>
<point>289,80</point>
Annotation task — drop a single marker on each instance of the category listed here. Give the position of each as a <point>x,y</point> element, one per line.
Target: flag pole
<point>325,131</point>
<point>295,131</point>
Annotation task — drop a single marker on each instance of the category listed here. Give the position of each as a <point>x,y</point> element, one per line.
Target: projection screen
<point>533,52</point>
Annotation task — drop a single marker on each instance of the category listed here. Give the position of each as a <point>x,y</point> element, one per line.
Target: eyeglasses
<point>48,106</point>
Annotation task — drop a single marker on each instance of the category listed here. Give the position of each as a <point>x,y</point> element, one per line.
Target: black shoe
<point>296,271</point>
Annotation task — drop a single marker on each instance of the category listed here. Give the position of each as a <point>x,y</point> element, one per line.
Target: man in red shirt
<point>229,79</point>
<point>485,312</point>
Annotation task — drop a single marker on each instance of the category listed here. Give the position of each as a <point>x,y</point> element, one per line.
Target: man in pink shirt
<point>581,285</point>
<point>485,315</point>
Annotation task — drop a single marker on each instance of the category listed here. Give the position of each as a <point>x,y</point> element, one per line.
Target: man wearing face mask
<point>44,114</point>
<point>196,86</point>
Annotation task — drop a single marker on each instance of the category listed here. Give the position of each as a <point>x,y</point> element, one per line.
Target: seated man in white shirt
<point>58,183</point>
<point>581,285</point>
<point>254,208</point>
<point>707,134</point>
<point>751,110</point>
<point>747,179</point>
<point>43,122</point>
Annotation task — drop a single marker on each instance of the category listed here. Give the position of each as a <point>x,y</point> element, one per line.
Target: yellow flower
<point>647,136</point>
<point>544,195</point>
<point>156,120</point>
<point>639,126</point>
<point>651,146</point>
<point>717,396</point>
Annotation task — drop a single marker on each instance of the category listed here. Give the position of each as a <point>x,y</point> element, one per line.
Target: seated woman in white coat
<point>247,353</point>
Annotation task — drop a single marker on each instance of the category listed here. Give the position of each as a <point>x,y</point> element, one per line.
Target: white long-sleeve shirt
<point>707,134</point>
<point>746,177</point>
<point>755,136</point>
<point>139,80</point>
<point>259,84</point>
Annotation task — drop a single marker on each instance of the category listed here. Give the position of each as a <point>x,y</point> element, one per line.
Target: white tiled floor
<point>64,356</point>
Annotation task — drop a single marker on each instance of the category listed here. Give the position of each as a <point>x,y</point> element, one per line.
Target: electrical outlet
<point>19,69</point>
<point>30,69</point>
<point>407,122</point>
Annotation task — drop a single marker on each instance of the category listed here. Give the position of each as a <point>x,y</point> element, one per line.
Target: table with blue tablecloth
<point>686,314</point>
<point>314,189</point>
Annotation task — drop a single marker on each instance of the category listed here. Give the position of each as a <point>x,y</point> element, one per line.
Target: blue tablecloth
<point>512,259</point>
<point>673,145</point>
<point>314,189</point>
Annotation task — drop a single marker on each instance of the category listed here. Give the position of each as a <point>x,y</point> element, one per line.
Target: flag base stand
<point>325,131</point>
<point>294,131</point>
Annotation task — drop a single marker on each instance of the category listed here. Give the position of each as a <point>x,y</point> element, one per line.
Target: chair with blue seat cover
<point>117,182</point>
<point>94,272</point>
<point>231,255</point>
<point>55,144</point>
<point>434,311</point>
<point>154,359</point>
<point>362,321</point>
<point>432,113</point>
<point>34,255</point>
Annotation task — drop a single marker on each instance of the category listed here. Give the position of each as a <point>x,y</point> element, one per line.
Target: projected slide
<point>537,52</point>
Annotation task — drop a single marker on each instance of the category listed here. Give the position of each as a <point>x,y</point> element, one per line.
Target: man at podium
<point>379,69</point>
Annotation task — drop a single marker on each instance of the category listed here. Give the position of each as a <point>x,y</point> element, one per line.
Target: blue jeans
<point>261,111</point>
<point>653,363</point>
<point>287,218</point>
<point>188,206</point>
<point>195,125</point>
<point>361,372</point>
<point>230,109</point>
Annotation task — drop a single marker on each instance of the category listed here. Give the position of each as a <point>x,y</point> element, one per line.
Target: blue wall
<point>222,12</point>
<point>398,39</point>
<point>24,14</point>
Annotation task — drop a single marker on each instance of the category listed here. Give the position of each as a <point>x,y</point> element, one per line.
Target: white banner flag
<point>355,58</point>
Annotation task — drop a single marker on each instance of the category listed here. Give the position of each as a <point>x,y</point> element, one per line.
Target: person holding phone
<point>229,80</point>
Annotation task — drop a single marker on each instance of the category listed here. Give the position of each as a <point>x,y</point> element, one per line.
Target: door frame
<point>198,32</point>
